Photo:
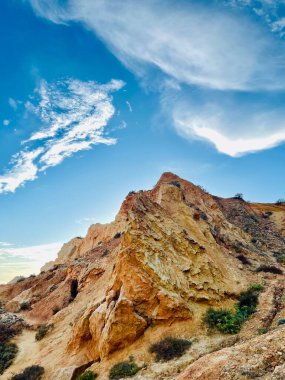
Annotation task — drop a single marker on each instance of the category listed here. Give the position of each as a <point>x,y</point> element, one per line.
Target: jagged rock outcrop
<point>171,253</point>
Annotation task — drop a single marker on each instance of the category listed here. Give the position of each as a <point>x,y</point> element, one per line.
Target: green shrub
<point>34,372</point>
<point>42,331</point>
<point>169,348</point>
<point>231,321</point>
<point>8,351</point>
<point>257,287</point>
<point>88,375</point>
<point>281,321</point>
<point>248,300</point>
<point>262,330</point>
<point>124,369</point>
<point>225,321</point>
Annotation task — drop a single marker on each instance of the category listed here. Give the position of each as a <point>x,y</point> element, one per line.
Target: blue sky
<point>98,98</point>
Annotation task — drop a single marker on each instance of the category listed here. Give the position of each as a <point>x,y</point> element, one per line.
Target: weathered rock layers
<point>171,253</point>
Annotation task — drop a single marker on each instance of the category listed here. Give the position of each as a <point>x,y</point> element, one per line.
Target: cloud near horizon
<point>24,261</point>
<point>73,115</point>
<point>204,47</point>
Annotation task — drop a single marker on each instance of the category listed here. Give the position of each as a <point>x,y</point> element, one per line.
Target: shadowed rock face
<point>171,253</point>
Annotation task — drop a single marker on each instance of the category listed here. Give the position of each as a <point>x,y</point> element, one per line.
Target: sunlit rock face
<point>171,253</point>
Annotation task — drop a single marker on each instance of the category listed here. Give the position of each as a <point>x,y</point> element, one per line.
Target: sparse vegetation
<point>238,246</point>
<point>8,351</point>
<point>280,257</point>
<point>267,214</point>
<point>20,279</point>
<point>231,321</point>
<point>269,269</point>
<point>42,331</point>
<point>239,196</point>
<point>34,372</point>
<point>257,287</point>
<point>105,253</point>
<point>124,369</point>
<point>262,330</point>
<point>25,305</point>
<point>280,202</point>
<point>202,188</point>
<point>88,375</point>
<point>204,216</point>
<point>175,183</point>
<point>8,332</point>
<point>170,348</point>
<point>243,259</point>
<point>281,321</point>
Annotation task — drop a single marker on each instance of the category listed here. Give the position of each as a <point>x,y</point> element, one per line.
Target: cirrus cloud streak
<point>74,116</point>
<point>208,46</point>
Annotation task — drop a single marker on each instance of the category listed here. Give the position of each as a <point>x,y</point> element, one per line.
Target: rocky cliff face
<point>171,253</point>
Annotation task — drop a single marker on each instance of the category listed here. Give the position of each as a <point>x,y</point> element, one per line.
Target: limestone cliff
<point>171,253</point>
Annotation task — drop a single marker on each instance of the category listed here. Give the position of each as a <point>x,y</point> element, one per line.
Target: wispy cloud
<point>193,43</point>
<point>201,46</point>
<point>23,169</point>
<point>25,260</point>
<point>74,115</point>
<point>87,220</point>
<point>13,103</point>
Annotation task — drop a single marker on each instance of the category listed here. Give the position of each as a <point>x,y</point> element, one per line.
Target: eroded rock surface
<point>171,253</point>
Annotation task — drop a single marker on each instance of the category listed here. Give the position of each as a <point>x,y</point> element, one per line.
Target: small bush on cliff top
<point>34,372</point>
<point>89,375</point>
<point>231,321</point>
<point>124,369</point>
<point>8,351</point>
<point>169,348</point>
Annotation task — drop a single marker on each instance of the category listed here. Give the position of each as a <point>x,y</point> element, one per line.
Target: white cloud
<point>13,103</point>
<point>204,46</point>
<point>25,260</point>
<point>74,116</point>
<point>23,169</point>
<point>6,122</point>
<point>253,125</point>
<point>233,147</point>
<point>5,244</point>
<point>195,44</point>
<point>129,106</point>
